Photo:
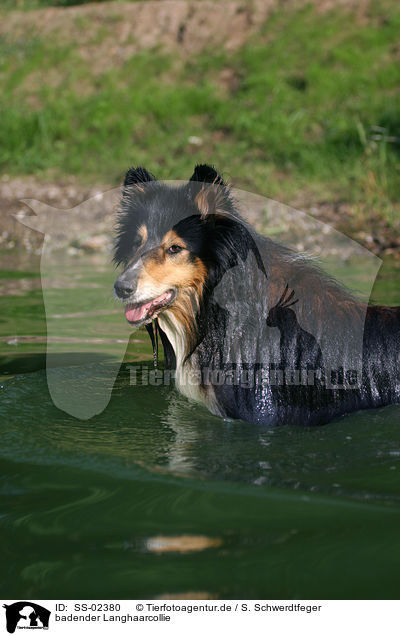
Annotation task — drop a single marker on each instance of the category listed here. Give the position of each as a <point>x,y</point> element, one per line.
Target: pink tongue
<point>133,314</point>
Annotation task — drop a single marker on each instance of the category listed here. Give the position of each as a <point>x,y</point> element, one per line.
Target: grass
<point>310,105</point>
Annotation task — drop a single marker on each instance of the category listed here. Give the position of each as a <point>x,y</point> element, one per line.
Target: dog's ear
<point>136,176</point>
<point>213,199</point>
<point>206,174</point>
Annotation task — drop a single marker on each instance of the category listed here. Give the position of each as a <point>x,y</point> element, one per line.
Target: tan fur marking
<point>210,200</point>
<point>172,238</point>
<point>162,271</point>
<point>143,233</point>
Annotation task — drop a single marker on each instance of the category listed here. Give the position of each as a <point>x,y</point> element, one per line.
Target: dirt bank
<point>91,228</point>
<point>109,33</point>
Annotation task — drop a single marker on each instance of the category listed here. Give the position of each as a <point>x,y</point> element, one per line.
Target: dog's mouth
<point>140,313</point>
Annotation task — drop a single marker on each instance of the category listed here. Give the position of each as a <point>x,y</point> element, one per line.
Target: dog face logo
<point>26,615</point>
<point>163,244</point>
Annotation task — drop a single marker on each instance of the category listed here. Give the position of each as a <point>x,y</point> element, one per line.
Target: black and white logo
<point>26,615</point>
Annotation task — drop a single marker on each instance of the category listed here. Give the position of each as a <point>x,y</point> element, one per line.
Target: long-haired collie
<point>252,329</point>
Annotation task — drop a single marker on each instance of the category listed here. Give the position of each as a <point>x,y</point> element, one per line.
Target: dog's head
<point>164,240</point>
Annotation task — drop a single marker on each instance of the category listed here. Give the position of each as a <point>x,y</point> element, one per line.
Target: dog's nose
<point>123,289</point>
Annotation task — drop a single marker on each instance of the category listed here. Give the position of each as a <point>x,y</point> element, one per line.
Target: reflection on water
<point>182,544</point>
<point>153,429</point>
<point>154,497</point>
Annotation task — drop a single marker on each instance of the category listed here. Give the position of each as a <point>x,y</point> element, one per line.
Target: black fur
<point>223,241</point>
<point>206,174</point>
<point>137,175</point>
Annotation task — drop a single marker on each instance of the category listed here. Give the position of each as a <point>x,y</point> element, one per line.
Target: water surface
<point>154,497</point>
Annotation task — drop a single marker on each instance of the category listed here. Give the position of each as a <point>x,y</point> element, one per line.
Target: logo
<point>255,329</point>
<point>26,615</point>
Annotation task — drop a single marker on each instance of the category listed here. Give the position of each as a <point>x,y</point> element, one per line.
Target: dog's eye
<point>174,249</point>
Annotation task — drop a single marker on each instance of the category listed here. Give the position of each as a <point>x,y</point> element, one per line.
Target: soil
<point>91,224</point>
<point>108,33</point>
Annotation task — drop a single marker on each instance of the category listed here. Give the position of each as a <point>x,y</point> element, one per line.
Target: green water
<point>154,497</point>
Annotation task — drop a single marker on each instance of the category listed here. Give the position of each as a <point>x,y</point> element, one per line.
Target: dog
<point>253,330</point>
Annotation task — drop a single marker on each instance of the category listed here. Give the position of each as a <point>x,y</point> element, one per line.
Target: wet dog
<point>252,329</point>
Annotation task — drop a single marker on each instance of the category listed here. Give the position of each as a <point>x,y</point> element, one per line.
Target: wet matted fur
<point>262,349</point>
